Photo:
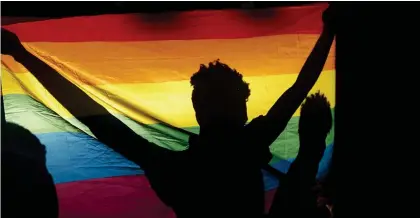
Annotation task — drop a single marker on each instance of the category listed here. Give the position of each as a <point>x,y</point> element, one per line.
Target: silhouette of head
<point>25,175</point>
<point>314,124</point>
<point>219,96</point>
<point>22,142</point>
<point>315,115</point>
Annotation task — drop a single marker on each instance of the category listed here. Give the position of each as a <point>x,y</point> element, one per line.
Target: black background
<point>65,8</point>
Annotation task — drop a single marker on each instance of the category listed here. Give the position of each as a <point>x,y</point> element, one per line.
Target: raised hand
<point>315,118</point>
<point>10,43</point>
<point>329,17</point>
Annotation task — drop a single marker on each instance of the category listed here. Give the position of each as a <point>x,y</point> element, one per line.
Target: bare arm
<point>108,129</point>
<point>264,130</point>
<point>284,108</point>
<point>314,124</point>
<point>296,185</point>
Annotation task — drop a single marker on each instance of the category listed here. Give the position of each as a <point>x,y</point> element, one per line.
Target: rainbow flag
<point>138,67</point>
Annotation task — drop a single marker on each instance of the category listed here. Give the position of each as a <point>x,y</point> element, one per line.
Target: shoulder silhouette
<point>28,189</point>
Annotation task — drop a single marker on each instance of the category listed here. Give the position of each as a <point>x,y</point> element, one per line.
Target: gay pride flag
<point>138,67</point>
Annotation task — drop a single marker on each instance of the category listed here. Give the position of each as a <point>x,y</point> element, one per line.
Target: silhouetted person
<point>203,180</point>
<point>296,196</point>
<point>27,188</point>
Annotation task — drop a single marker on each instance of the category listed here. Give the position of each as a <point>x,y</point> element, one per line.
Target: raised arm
<point>295,197</point>
<point>283,109</point>
<point>108,129</point>
<point>264,130</point>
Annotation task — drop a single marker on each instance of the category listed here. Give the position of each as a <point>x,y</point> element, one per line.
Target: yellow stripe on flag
<point>167,101</point>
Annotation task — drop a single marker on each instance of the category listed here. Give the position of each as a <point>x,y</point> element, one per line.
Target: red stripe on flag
<point>214,24</point>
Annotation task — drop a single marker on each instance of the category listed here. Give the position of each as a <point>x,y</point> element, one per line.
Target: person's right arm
<point>107,128</point>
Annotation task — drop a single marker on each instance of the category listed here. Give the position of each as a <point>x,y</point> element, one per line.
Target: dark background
<point>65,8</point>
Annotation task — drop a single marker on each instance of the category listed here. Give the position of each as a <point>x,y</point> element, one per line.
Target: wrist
<point>328,30</point>
<point>21,55</point>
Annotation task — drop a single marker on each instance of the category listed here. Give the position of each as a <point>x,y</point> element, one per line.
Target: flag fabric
<point>138,67</point>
